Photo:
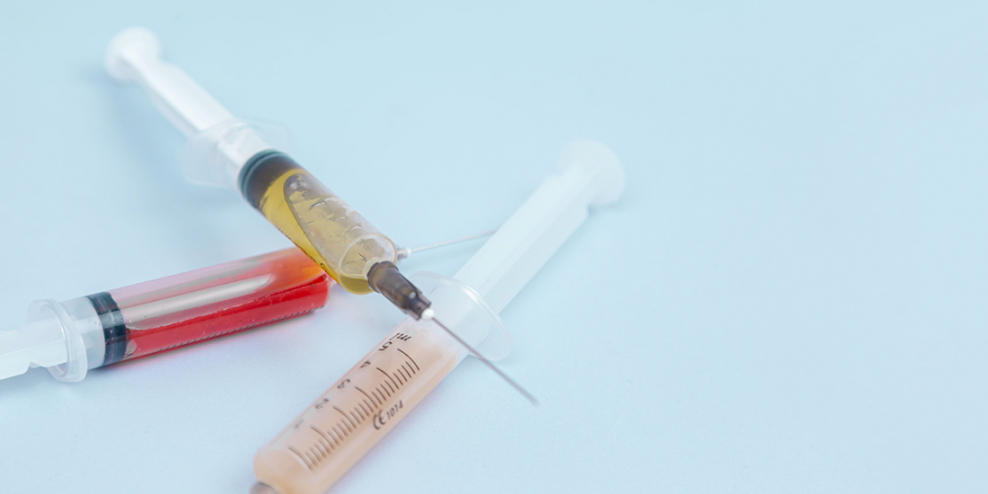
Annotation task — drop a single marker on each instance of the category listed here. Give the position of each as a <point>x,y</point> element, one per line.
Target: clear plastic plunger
<point>332,434</point>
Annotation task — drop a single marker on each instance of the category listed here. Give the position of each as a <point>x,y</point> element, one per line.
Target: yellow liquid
<point>335,236</point>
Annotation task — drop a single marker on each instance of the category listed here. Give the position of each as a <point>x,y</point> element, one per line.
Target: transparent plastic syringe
<point>72,336</point>
<point>228,152</point>
<point>333,433</point>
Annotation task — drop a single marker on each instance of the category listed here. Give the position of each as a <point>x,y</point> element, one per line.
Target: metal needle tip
<point>488,363</point>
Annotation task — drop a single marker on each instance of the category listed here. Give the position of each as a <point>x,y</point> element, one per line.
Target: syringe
<point>228,152</point>
<point>73,336</point>
<point>319,446</point>
<point>83,333</point>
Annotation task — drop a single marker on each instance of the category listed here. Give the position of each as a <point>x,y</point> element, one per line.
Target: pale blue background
<point>790,297</point>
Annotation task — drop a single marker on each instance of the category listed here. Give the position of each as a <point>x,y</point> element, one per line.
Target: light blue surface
<point>790,297</point>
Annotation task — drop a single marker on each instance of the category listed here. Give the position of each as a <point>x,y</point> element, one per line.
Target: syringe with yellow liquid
<point>229,152</point>
<point>343,424</point>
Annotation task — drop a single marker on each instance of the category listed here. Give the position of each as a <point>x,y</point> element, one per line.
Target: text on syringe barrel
<point>333,433</point>
<point>187,308</point>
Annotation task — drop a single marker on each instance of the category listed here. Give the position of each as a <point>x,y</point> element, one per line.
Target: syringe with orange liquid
<point>383,387</point>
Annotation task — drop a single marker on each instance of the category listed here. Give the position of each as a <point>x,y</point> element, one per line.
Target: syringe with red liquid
<point>83,333</point>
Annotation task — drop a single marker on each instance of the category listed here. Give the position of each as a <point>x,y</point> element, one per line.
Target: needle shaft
<point>488,363</point>
<point>405,251</point>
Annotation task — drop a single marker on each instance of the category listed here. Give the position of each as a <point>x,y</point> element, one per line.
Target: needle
<point>493,367</point>
<point>405,252</point>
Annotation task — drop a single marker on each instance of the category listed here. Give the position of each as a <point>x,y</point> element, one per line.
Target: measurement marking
<point>389,378</point>
<point>324,437</point>
<point>344,426</point>
<point>340,431</point>
<point>359,412</point>
<point>397,386</point>
<point>375,393</point>
<point>365,394</point>
<point>385,387</point>
<point>323,453</point>
<point>334,435</point>
<point>299,456</point>
<point>388,385</point>
<point>361,405</point>
<point>318,446</point>
<point>355,417</point>
<point>308,454</point>
<point>402,373</point>
<point>345,417</point>
<point>408,376</point>
<point>409,357</point>
<point>400,380</point>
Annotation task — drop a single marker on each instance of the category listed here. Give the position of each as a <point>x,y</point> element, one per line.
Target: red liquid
<point>192,307</point>
<point>265,309</point>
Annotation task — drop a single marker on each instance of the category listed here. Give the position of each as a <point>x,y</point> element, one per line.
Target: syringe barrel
<point>228,152</point>
<point>318,221</point>
<point>333,433</point>
<point>126,323</point>
<point>192,307</point>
